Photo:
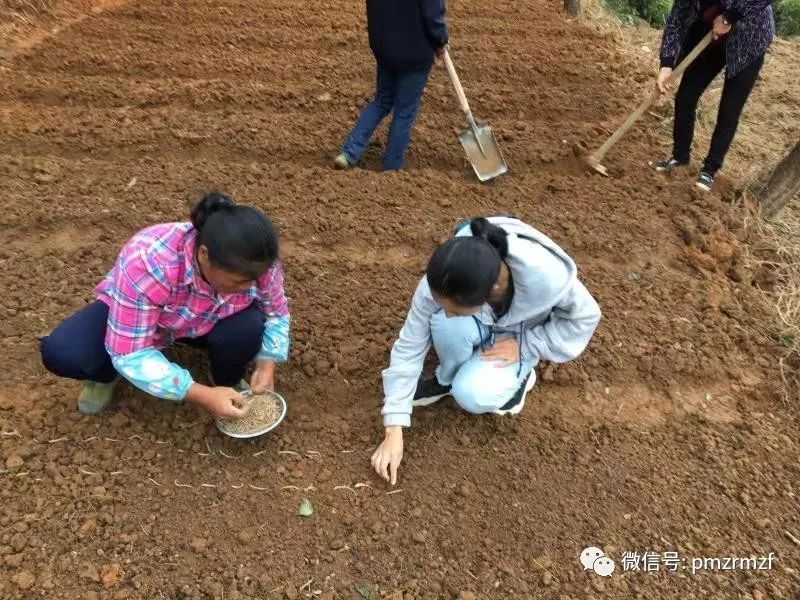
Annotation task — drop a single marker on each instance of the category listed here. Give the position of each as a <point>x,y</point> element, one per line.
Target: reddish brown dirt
<point>668,434</point>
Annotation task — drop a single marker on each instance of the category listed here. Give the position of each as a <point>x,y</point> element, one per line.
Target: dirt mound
<point>667,435</point>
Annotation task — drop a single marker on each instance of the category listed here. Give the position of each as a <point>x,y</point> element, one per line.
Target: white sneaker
<point>517,402</point>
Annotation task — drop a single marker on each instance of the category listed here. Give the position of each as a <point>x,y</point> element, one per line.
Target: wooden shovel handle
<point>598,155</point>
<point>462,97</point>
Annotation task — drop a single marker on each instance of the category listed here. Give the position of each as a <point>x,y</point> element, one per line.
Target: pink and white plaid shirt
<point>156,295</point>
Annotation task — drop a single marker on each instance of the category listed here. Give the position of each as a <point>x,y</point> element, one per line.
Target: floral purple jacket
<point>752,32</point>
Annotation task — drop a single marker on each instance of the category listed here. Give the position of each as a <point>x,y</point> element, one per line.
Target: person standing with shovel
<point>742,31</point>
<point>405,36</point>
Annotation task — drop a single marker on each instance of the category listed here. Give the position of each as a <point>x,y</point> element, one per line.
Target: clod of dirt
<point>337,544</point>
<point>290,592</point>
<point>547,579</point>
<point>199,544</point>
<point>119,420</point>
<point>14,462</point>
<point>245,537</point>
<point>419,537</point>
<point>467,596</point>
<point>24,580</point>
<point>110,575</point>
<point>89,571</point>
<point>215,589</point>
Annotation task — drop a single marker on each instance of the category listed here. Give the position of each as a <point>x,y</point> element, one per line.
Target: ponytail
<point>496,236</point>
<point>464,268</point>
<point>207,206</point>
<point>240,239</point>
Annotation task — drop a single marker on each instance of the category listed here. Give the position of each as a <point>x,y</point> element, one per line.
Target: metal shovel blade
<point>483,153</point>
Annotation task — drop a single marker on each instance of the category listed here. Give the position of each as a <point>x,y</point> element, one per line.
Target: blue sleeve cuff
<point>275,341</point>
<point>150,371</point>
<point>397,419</point>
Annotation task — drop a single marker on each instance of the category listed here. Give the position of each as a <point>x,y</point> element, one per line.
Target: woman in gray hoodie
<point>496,299</point>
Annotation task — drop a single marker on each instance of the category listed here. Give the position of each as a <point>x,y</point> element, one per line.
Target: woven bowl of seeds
<point>266,411</point>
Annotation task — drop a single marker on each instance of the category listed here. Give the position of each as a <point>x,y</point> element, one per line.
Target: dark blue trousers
<point>396,91</point>
<point>76,348</point>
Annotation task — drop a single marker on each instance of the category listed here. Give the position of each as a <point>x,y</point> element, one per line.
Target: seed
<point>265,410</point>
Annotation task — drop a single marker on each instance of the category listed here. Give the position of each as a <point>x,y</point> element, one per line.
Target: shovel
<point>478,141</point>
<point>595,159</point>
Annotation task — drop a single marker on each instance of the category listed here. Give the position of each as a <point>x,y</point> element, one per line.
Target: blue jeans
<point>397,91</point>
<point>76,348</point>
<point>478,386</point>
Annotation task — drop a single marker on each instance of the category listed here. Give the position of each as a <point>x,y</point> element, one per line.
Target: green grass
<point>787,13</point>
<point>787,17</point>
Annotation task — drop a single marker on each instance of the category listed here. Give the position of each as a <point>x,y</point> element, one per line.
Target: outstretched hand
<point>387,458</point>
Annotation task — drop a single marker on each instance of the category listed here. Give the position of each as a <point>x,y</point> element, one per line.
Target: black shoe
<point>668,164</point>
<point>705,181</point>
<point>430,391</point>
<point>514,406</point>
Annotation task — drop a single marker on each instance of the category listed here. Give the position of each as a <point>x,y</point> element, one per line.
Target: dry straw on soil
<point>779,251</point>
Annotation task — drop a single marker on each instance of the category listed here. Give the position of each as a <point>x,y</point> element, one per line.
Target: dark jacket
<point>405,34</point>
<point>752,31</point>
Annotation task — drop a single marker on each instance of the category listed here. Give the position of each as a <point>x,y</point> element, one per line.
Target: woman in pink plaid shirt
<point>215,282</point>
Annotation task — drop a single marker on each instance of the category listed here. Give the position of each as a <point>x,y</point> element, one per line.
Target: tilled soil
<point>669,434</point>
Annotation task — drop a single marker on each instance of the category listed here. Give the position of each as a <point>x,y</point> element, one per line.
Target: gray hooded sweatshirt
<point>551,311</point>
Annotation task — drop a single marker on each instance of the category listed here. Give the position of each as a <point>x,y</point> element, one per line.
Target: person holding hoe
<point>496,299</point>
<point>215,282</point>
<point>405,36</point>
<point>742,32</point>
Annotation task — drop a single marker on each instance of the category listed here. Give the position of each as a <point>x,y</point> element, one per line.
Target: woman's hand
<point>721,27</point>
<point>386,459</point>
<point>263,378</point>
<point>663,77</point>
<point>220,402</point>
<point>504,352</point>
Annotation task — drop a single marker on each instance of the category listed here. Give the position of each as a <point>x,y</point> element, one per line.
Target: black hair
<point>240,239</point>
<point>464,268</point>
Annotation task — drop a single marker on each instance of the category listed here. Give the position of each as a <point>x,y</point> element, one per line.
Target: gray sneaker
<point>705,181</point>
<point>668,164</point>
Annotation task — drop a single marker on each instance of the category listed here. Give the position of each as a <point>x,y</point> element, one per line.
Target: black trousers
<point>695,80</point>
<point>76,348</point>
